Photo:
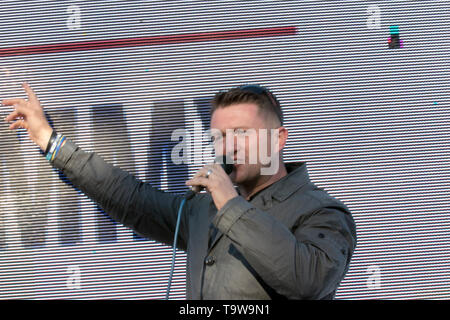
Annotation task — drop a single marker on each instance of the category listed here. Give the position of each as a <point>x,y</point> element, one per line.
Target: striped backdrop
<point>117,77</point>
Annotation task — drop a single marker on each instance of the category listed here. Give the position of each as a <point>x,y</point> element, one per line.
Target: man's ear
<point>282,137</point>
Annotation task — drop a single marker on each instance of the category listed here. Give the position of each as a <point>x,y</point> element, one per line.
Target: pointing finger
<point>31,95</point>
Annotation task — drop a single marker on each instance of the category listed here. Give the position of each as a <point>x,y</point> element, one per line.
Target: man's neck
<point>248,192</point>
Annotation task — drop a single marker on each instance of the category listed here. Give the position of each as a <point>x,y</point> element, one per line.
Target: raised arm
<point>148,211</point>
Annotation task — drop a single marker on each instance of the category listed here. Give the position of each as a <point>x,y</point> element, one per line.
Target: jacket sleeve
<point>148,211</point>
<point>306,263</point>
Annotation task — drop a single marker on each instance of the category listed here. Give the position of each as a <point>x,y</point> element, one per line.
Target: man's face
<point>237,132</point>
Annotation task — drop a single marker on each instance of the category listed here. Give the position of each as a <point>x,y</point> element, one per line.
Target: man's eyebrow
<point>215,130</point>
<point>237,127</point>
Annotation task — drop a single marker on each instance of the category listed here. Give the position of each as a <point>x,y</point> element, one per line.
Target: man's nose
<point>230,145</point>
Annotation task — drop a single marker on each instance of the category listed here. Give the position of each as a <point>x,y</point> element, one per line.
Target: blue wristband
<point>57,148</point>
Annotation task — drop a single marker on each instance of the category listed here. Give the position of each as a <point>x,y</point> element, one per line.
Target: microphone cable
<point>175,237</point>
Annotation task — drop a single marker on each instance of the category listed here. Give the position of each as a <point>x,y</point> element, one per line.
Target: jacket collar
<point>297,176</point>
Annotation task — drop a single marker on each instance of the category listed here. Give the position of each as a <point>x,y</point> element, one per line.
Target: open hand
<point>29,115</point>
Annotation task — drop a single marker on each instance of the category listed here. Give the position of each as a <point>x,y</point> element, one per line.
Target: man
<point>274,236</point>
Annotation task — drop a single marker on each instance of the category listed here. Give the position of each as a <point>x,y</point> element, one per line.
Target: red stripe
<point>148,41</point>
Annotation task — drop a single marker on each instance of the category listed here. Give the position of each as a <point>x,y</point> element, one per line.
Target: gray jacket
<point>291,240</point>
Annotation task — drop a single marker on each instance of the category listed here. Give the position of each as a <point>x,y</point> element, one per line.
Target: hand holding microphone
<point>214,177</point>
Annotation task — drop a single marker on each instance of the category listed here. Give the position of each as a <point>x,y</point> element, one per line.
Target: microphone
<point>227,166</point>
